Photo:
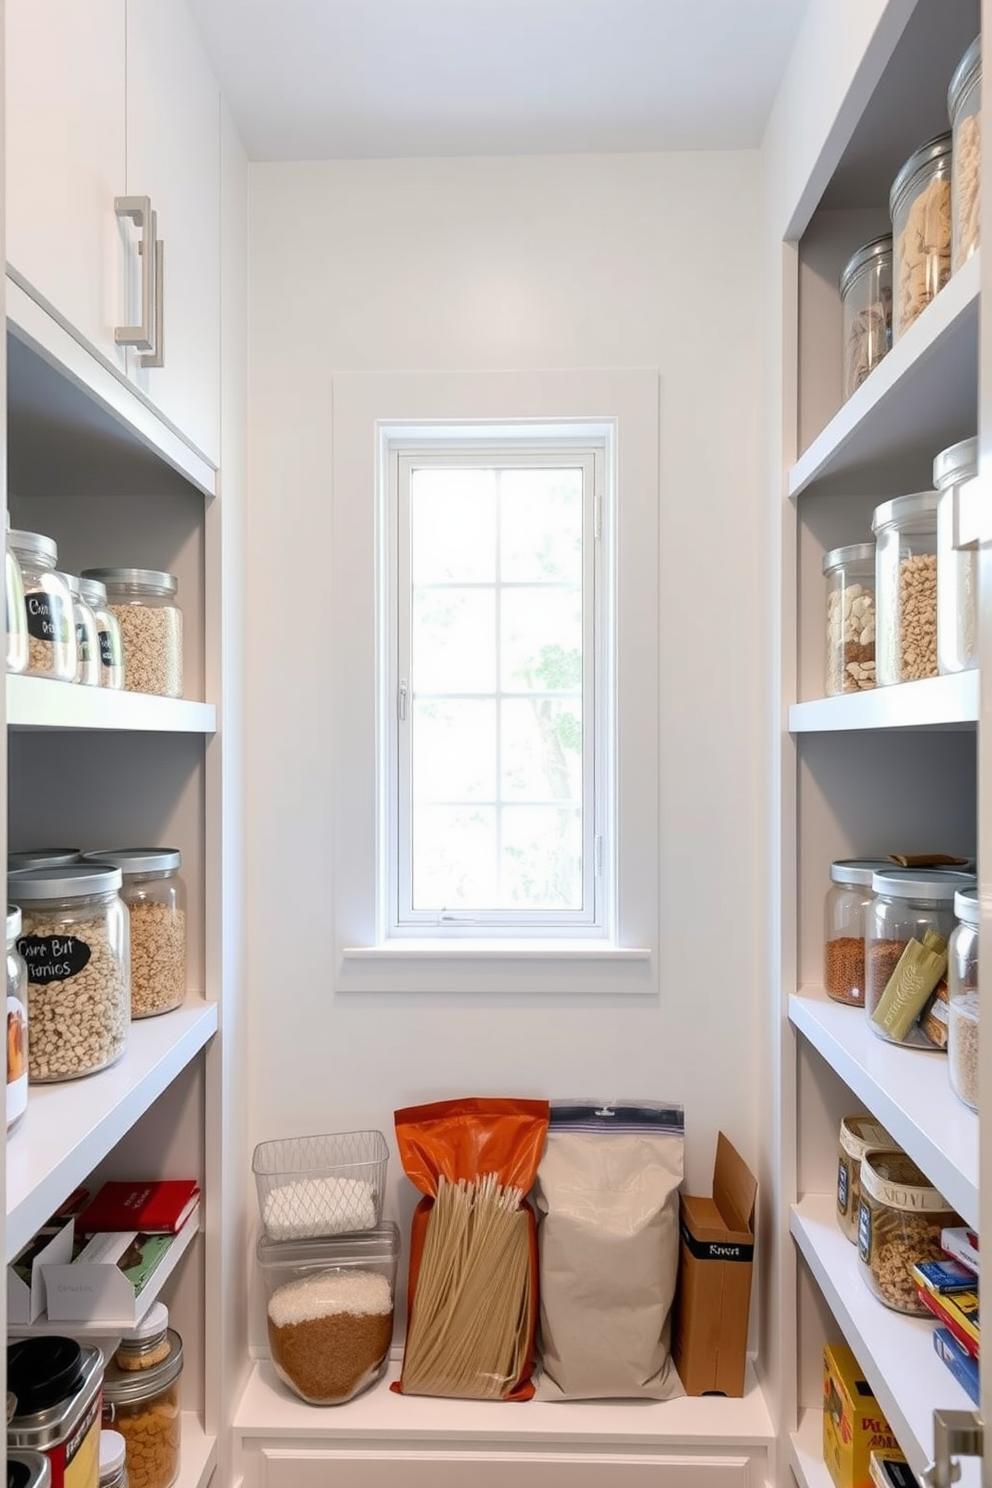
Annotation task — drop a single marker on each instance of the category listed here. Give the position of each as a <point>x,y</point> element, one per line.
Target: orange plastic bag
<point>472,1332</point>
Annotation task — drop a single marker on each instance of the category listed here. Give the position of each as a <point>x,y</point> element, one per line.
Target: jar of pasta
<point>962,978</point>
<point>142,1400</point>
<point>845,908</point>
<point>48,608</point>
<point>857,1135</point>
<point>17,1022</point>
<point>155,896</point>
<point>899,1224</point>
<point>920,208</point>
<point>866,305</point>
<point>906,588</point>
<point>151,624</point>
<point>87,635</point>
<point>964,109</point>
<point>957,568</point>
<point>109,632</point>
<point>909,922</point>
<point>75,941</point>
<point>17,618</point>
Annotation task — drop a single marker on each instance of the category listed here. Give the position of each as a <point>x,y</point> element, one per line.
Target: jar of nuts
<point>48,606</point>
<point>850,575</point>
<point>962,978</point>
<point>76,944</point>
<point>141,1400</point>
<point>899,1225</point>
<point>920,208</point>
<point>87,635</point>
<point>108,631</point>
<point>151,624</point>
<point>957,568</point>
<point>964,109</point>
<point>857,1135</point>
<point>155,896</point>
<point>845,908</point>
<point>909,921</point>
<point>17,617</point>
<point>17,1022</point>
<point>866,304</point>
<point>906,588</point>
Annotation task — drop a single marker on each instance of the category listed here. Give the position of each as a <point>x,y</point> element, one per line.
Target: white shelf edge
<point>806,1452</point>
<point>70,1126</point>
<point>907,1090</point>
<point>40,702</point>
<point>268,1408</point>
<point>197,1453</point>
<point>934,702</point>
<point>895,1350</point>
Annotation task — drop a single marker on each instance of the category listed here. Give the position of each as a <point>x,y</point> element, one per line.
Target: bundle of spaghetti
<point>468,1332</point>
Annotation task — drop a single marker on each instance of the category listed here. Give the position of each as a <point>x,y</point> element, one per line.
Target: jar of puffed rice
<point>906,580</point>
<point>151,624</point>
<point>48,605</point>
<point>964,109</point>
<point>920,207</point>
<point>155,896</point>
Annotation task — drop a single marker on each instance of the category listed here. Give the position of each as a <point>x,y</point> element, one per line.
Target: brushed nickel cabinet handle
<point>139,210</point>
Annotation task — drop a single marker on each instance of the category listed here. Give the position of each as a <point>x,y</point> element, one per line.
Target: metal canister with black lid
<point>28,1469</point>
<point>57,1383</point>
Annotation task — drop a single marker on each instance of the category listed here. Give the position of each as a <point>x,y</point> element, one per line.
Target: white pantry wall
<point>512,263</point>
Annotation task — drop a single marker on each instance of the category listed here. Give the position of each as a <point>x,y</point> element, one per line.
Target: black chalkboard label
<point>106,649</point>
<point>47,619</point>
<point>53,958</point>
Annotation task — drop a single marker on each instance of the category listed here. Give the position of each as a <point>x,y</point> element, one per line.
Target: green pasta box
<point>853,1424</point>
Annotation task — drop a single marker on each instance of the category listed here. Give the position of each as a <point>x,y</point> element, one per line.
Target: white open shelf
<point>39,702</point>
<point>197,1453</point>
<point>70,1126</point>
<point>806,1452</point>
<point>895,1351</point>
<point>933,702</point>
<point>907,1090</point>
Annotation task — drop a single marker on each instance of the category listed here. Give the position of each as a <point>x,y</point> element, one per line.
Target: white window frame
<point>623,957</point>
<point>401,450</point>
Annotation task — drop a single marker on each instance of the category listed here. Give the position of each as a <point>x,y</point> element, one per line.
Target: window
<point>495,770</point>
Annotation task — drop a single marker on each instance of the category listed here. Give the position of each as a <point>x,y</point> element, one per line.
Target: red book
<point>962,1323</point>
<point>157,1206</point>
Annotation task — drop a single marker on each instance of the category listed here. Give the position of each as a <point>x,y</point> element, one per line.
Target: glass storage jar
<point>113,1463</point>
<point>111,645</point>
<point>920,208</point>
<point>48,606</point>
<point>76,945</point>
<point>17,1022</point>
<point>906,588</point>
<point>850,575</point>
<point>963,1008</point>
<point>17,617</point>
<point>964,109</point>
<point>87,635</point>
<point>957,569</point>
<point>142,1400</point>
<point>908,924</point>
<point>155,896</point>
<point>56,1382</point>
<point>857,1135</point>
<point>845,909</point>
<point>866,305</point>
<point>899,1224</point>
<point>151,624</point>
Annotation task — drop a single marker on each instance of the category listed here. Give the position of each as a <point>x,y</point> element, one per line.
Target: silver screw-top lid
<point>137,859</point>
<point>876,251</point>
<point>853,553</point>
<point>67,881</point>
<point>904,508</point>
<point>134,578</point>
<point>940,884</point>
<point>957,463</point>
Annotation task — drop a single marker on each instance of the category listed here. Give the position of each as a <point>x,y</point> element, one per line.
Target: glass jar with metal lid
<point>17,1022</point>
<point>899,1224</point>
<point>866,304</point>
<point>151,624</point>
<point>850,575</point>
<point>111,645</point>
<point>957,568</point>
<point>906,588</point>
<point>964,109</point>
<point>113,1460</point>
<point>17,617</point>
<point>155,896</point>
<point>920,208</point>
<point>963,1007</point>
<point>48,607</point>
<point>858,1134</point>
<point>144,1406</point>
<point>28,1469</point>
<point>908,925</point>
<point>845,909</point>
<point>87,635</point>
<point>57,1385</point>
<point>76,944</point>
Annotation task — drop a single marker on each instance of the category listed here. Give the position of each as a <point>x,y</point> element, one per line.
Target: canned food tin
<point>57,1384</point>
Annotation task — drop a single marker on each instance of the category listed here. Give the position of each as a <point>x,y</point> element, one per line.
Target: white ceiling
<point>324,79</point>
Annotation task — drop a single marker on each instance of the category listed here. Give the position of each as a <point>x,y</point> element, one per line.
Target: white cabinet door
<point>173,157</point>
<point>65,144</point>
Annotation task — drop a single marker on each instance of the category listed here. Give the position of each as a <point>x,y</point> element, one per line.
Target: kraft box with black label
<point>713,1296</point>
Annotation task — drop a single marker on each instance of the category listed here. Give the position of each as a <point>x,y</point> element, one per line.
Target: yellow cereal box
<point>853,1424</point>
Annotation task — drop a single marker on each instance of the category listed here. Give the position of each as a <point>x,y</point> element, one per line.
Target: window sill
<point>502,949</point>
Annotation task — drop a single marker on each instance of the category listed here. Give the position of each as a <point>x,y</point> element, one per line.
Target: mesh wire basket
<point>324,1185</point>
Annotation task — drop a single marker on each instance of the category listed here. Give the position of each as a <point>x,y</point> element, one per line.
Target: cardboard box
<point>853,1423</point>
<point>713,1297</point>
<point>105,1284</point>
<point>26,1296</point>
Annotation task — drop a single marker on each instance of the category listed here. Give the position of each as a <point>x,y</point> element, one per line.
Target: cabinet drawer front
<point>282,1468</point>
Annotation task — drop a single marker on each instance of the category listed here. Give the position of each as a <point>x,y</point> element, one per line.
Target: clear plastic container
<point>17,1022</point>
<point>56,1382</point>
<point>963,1005</point>
<point>87,635</point>
<point>17,615</point>
<point>906,588</point>
<point>144,1403</point>
<point>113,1460</point>
<point>155,896</point>
<point>330,1184</point>
<point>48,605</point>
<point>857,1135</point>
<point>845,911</point>
<point>964,109</point>
<point>920,208</point>
<point>957,569</point>
<point>850,576</point>
<point>908,925</point>
<point>899,1224</point>
<point>866,304</point>
<point>151,625</point>
<point>76,945</point>
<point>329,1311</point>
<point>109,632</point>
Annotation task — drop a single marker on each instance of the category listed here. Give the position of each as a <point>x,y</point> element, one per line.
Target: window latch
<point>401,701</point>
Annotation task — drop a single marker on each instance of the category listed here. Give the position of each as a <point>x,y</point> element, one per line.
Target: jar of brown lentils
<point>847,901</point>
<point>899,1224</point>
<point>141,1399</point>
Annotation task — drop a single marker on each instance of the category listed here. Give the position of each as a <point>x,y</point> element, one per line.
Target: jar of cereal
<point>906,588</point>
<point>846,904</point>
<point>920,208</point>
<point>964,109</point>
<point>962,976</point>
<point>908,925</point>
<point>850,575</point>
<point>48,606</point>
<point>141,1399</point>
<point>899,1224</point>
<point>17,1022</point>
<point>155,896</point>
<point>151,625</point>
